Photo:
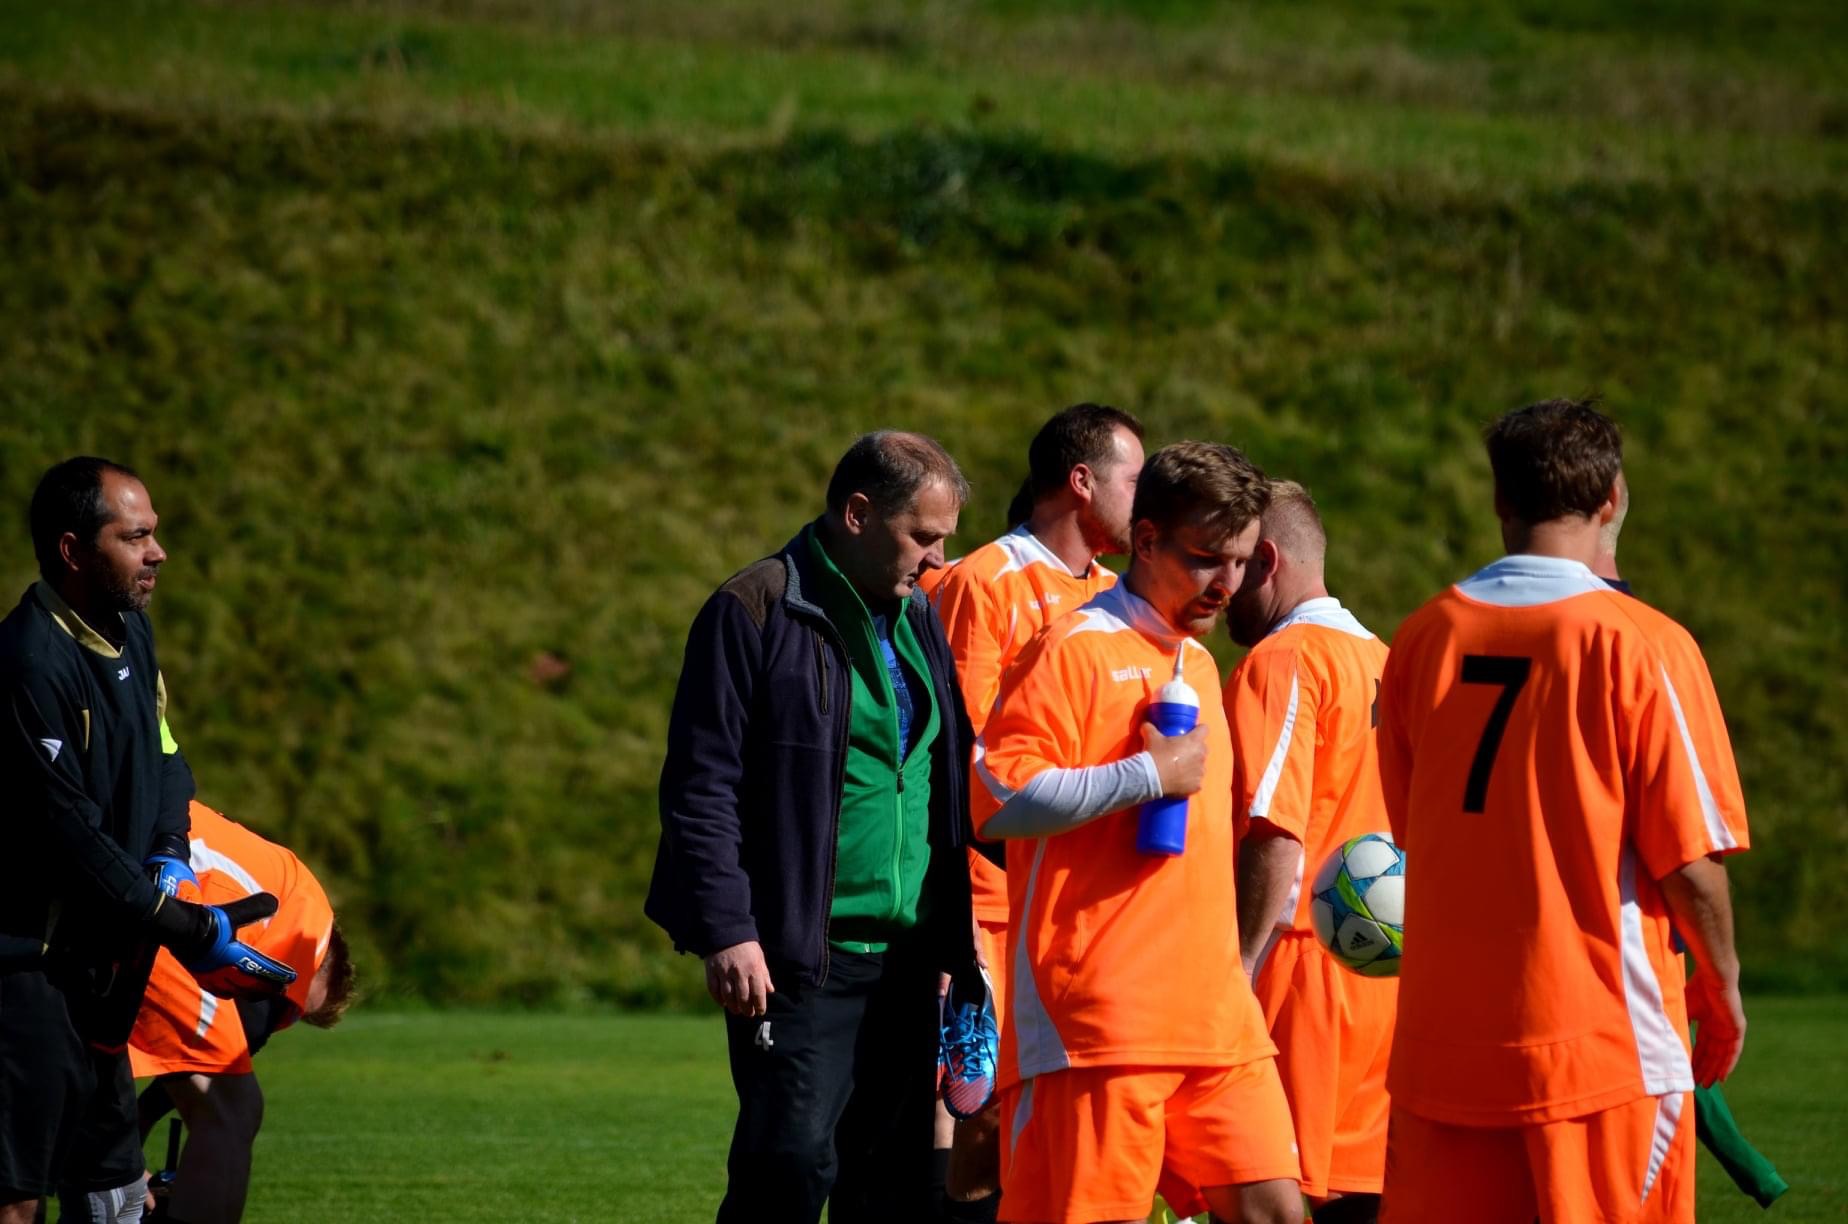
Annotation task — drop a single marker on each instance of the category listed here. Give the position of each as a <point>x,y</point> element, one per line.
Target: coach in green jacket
<point>814,815</point>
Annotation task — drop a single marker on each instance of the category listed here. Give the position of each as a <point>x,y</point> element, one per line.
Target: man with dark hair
<point>1133,1055</point>
<point>97,793</point>
<point>814,821</point>
<point>1559,809</point>
<point>1301,704</point>
<point>1081,482</point>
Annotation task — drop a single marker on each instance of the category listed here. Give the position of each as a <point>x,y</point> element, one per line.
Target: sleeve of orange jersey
<point>1673,820</point>
<point>968,611</point>
<point>1036,723</point>
<point>1272,713</point>
<point>1395,747</point>
<point>1705,733</point>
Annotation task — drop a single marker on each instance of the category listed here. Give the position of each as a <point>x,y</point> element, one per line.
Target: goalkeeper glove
<point>172,875</point>
<point>204,939</point>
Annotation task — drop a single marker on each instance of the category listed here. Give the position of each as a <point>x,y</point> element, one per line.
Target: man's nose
<point>155,555</point>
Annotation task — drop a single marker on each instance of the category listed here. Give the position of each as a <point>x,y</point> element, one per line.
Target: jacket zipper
<point>821,659</point>
<point>840,787</point>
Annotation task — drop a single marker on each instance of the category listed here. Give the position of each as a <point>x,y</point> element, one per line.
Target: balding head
<point>1293,522</point>
<point>1287,568</point>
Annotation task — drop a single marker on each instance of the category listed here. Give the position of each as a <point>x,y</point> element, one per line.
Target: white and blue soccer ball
<point>1358,905</point>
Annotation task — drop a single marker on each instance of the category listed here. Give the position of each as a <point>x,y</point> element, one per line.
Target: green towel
<point>1720,1135</point>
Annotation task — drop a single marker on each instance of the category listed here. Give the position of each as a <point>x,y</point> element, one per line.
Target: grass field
<point>460,1116</point>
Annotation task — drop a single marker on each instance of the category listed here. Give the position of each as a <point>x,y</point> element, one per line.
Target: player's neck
<point>1058,529</point>
<point>1571,539</point>
<point>94,613</point>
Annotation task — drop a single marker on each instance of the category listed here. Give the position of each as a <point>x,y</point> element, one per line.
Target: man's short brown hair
<point>1205,482</point>
<point>1083,433</point>
<point>889,466</point>
<point>1553,459</point>
<point>340,983</point>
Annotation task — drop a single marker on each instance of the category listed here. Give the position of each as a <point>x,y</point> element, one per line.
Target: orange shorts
<point>1333,1031</point>
<point>183,1028</point>
<point>991,938</point>
<point>1098,1143</point>
<point>1633,1164</point>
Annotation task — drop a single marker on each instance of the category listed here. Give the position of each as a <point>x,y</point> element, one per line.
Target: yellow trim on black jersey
<point>71,623</point>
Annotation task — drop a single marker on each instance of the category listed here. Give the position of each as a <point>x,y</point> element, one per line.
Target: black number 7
<point>1510,672</point>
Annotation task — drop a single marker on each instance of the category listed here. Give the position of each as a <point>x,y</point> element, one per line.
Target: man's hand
<point>203,938</point>
<point>174,876</point>
<point>1720,1012</point>
<point>738,979</point>
<point>1180,760</point>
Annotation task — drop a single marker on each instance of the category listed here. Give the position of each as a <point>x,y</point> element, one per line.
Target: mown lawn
<point>463,1116</point>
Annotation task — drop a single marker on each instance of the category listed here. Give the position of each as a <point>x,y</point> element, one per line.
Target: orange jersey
<point>1541,772</point>
<point>992,602</point>
<point>1116,957</point>
<point>183,1027</point>
<point>1302,709</point>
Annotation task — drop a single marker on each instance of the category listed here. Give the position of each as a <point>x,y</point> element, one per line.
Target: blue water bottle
<point>1162,828</point>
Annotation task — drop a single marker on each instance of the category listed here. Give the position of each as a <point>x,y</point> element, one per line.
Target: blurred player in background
<point>1133,1054</point>
<point>95,827</point>
<point>198,1047</point>
<point>1303,707</point>
<point>1081,481</point>
<point>1557,809</point>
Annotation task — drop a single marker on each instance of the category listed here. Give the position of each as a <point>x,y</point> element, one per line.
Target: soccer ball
<point>1358,906</point>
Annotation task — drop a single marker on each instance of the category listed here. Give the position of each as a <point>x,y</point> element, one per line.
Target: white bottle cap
<point>1177,691</point>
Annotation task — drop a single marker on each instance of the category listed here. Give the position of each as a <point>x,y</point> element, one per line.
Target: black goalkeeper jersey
<point>91,783</point>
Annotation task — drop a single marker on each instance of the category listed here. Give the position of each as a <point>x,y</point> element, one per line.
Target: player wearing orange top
<point>1302,708</point>
<point>1542,774</point>
<point>1081,482</point>
<point>199,1047</point>
<point>1133,1055</point>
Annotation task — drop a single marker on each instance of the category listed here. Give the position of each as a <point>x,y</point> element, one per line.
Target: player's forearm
<point>1266,868</point>
<point>1700,902</point>
<point>1059,800</point>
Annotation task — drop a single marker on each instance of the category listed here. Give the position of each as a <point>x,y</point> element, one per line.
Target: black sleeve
<point>173,820</point>
<point>701,834</point>
<point>40,746</point>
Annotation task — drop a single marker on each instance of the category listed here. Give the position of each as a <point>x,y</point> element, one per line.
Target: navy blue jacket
<point>751,789</point>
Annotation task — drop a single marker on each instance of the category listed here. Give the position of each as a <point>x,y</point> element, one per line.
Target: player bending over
<point>1543,776</point>
<point>1303,707</point>
<point>198,1047</point>
<point>1133,1055</point>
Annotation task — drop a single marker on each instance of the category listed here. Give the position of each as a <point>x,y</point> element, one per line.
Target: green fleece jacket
<point>883,849</point>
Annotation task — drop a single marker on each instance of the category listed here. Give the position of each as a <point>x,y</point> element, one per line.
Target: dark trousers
<point>836,1097</point>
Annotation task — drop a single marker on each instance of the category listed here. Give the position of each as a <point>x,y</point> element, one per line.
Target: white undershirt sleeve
<point>1058,800</point>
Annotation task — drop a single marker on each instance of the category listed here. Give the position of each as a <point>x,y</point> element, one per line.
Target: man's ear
<point>857,513</point>
<point>1142,536</point>
<point>1612,500</point>
<point>1082,481</point>
<point>1267,558</point>
<point>70,552</point>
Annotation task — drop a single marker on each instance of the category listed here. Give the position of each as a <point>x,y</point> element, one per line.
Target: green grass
<point>456,336</point>
<point>493,1117</point>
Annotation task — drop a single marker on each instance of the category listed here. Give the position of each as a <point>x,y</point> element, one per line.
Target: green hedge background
<point>467,344</point>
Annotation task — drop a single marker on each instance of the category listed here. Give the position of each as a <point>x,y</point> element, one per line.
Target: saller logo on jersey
<point>122,674</point>
<point>51,747</point>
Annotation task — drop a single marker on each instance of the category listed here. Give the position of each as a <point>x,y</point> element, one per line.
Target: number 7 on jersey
<point>1510,672</point>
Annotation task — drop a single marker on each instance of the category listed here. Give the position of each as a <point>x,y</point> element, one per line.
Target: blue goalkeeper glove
<point>204,940</point>
<point>170,873</point>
